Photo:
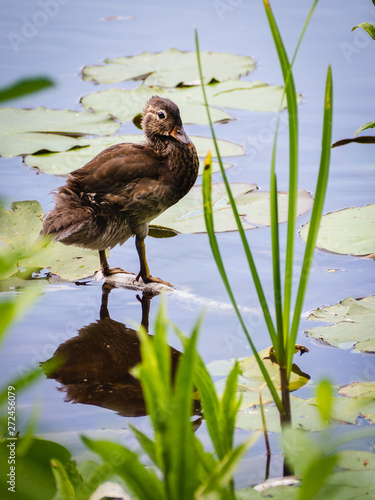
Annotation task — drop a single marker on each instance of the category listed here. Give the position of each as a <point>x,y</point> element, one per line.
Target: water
<point>74,36</point>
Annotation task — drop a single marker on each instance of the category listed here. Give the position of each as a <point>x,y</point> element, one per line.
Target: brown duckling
<point>120,191</point>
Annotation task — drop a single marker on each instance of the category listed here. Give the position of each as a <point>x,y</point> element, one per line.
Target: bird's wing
<point>115,167</point>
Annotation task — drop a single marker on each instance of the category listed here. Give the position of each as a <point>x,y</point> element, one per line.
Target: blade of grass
<point>280,351</point>
<point>143,482</point>
<point>208,215</point>
<point>264,423</point>
<point>249,257</point>
<point>229,407</point>
<point>154,391</point>
<point>320,192</point>
<point>180,436</point>
<point>291,97</point>
<point>162,350</point>
<point>211,406</point>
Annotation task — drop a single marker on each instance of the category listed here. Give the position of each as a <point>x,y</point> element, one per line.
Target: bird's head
<point>161,121</point>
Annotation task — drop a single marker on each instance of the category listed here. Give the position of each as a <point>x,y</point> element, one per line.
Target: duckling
<point>120,191</point>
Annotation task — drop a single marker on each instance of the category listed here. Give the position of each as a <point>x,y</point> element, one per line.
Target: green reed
<point>284,329</point>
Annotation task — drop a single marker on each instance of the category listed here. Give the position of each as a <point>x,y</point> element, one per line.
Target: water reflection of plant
<point>282,334</point>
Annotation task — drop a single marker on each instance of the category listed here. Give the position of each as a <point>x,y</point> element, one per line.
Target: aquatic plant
<point>283,332</point>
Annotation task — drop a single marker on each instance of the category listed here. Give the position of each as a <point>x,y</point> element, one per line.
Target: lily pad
<point>358,389</point>
<point>65,162</point>
<point>306,414</point>
<point>170,68</point>
<point>19,229</point>
<point>356,460</point>
<point>249,369</point>
<point>348,231</point>
<point>353,324</point>
<point>26,131</point>
<point>126,104</point>
<point>235,94</point>
<point>187,215</point>
<point>252,96</point>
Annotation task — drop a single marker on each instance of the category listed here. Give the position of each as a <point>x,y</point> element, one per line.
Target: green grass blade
<point>179,439</point>
<point>307,22</point>
<point>207,205</point>
<point>153,389</point>
<point>320,193</point>
<point>280,348</point>
<point>274,220</point>
<point>249,257</point>
<point>211,406</point>
<point>64,487</point>
<point>162,349</point>
<point>225,469</point>
<point>24,87</point>
<point>229,407</point>
<point>147,444</point>
<point>291,97</point>
<point>142,482</point>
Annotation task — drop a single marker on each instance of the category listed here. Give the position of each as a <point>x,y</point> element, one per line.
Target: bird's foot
<point>153,279</point>
<point>114,270</point>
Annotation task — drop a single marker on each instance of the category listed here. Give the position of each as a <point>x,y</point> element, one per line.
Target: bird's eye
<point>161,115</point>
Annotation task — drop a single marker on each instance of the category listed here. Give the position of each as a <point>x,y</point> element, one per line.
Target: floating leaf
<point>356,460</point>
<point>187,215</point>
<point>65,162</point>
<point>19,229</point>
<point>126,104</point>
<point>252,96</point>
<point>348,231</point>
<point>250,369</point>
<point>358,389</point>
<point>170,68</point>
<point>353,324</point>
<point>306,414</point>
<point>26,131</point>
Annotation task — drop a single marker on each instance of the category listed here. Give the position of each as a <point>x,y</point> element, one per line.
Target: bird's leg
<point>106,270</point>
<point>144,272</point>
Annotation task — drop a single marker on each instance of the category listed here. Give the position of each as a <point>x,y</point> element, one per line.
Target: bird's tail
<point>68,217</point>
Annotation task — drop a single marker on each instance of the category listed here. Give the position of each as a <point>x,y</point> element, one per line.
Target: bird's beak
<point>180,134</point>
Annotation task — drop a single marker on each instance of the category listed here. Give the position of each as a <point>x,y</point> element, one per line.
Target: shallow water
<point>75,36</point>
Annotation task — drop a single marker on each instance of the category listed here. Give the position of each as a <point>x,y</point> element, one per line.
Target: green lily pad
<point>358,389</point>
<point>26,131</point>
<point>348,231</point>
<point>252,96</point>
<point>65,162</point>
<point>356,460</point>
<point>353,324</point>
<point>170,68</point>
<point>19,229</point>
<point>306,414</point>
<point>249,369</point>
<point>126,104</point>
<point>235,94</point>
<point>187,215</point>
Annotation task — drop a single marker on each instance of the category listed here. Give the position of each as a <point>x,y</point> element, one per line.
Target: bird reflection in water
<point>94,366</point>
